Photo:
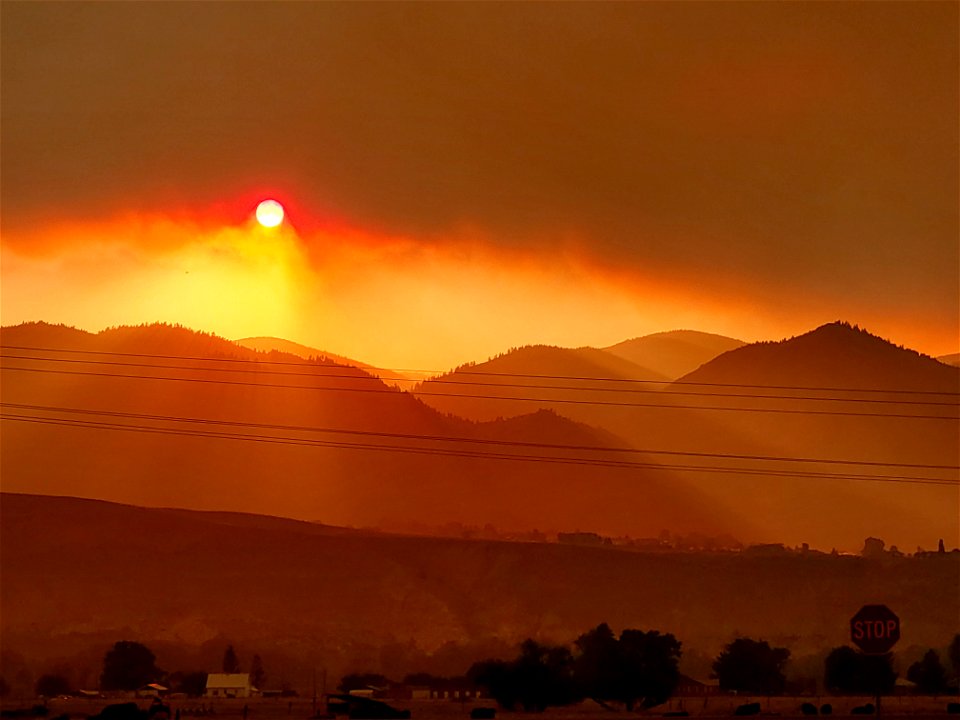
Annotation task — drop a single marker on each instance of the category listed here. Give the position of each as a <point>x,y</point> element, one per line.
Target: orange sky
<point>462,178</point>
<point>392,301</point>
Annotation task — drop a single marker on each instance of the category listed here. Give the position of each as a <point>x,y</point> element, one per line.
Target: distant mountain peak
<point>675,352</point>
<point>837,354</point>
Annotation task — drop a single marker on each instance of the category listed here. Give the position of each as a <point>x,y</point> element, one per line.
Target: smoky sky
<point>808,145</point>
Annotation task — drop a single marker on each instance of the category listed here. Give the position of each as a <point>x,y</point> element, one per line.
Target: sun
<point>269,213</point>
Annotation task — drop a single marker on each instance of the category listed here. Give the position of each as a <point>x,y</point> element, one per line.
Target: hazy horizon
<point>438,367</point>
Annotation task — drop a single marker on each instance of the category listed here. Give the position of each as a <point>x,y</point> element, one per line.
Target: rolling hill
<point>674,353</point>
<point>834,355</point>
<point>762,400</point>
<point>272,344</point>
<point>842,394</point>
<point>314,440</point>
<point>504,385</point>
<point>81,574</point>
<point>953,359</point>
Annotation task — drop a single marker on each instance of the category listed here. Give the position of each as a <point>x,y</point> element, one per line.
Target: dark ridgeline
<point>460,600</point>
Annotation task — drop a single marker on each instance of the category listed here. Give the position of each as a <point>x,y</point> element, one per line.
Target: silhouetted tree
<point>545,675</point>
<point>423,679</point>
<point>192,683</point>
<point>751,666</point>
<point>542,676</point>
<point>51,685</point>
<point>231,663</point>
<point>128,666</point>
<point>360,681</point>
<point>649,667</point>
<point>257,675</point>
<point>928,674</point>
<point>954,653</point>
<point>497,678</point>
<point>597,667</point>
<point>640,666</point>
<point>848,671</point>
<point>4,687</point>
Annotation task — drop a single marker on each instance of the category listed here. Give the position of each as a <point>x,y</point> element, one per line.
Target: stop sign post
<point>875,629</point>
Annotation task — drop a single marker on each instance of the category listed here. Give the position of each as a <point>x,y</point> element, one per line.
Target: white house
<point>229,685</point>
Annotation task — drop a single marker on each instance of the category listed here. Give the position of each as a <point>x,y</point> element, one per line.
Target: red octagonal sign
<point>875,629</point>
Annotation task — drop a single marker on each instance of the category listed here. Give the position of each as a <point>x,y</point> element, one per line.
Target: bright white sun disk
<point>269,213</point>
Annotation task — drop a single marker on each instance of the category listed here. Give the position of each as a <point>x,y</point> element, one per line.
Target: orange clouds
<point>394,301</point>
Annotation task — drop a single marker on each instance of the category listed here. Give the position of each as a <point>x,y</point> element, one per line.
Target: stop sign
<point>875,629</point>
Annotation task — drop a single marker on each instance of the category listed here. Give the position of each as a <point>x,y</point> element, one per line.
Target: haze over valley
<point>542,438</point>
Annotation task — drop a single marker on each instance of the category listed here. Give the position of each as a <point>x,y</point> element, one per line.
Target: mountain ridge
<point>341,447</point>
<point>836,352</point>
<point>269,344</point>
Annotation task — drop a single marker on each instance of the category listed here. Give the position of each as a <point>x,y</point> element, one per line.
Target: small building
<point>152,690</point>
<point>229,685</point>
<point>689,687</point>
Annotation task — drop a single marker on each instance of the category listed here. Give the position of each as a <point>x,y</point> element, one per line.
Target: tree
<point>257,675</point>
<point>190,683</point>
<point>497,678</point>
<point>4,687</point>
<point>545,676</point>
<point>542,676</point>
<point>954,653</point>
<point>640,666</point>
<point>928,674</point>
<point>128,666</point>
<point>649,667</point>
<point>849,671</point>
<point>597,665</point>
<point>751,666</point>
<point>231,664</point>
<point>51,685</point>
<point>423,679</point>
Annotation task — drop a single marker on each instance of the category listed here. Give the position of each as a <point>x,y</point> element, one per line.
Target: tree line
<point>640,669</point>
<point>129,666</point>
<point>637,669</point>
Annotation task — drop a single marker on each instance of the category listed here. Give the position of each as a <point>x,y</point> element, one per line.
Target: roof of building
<point>228,680</point>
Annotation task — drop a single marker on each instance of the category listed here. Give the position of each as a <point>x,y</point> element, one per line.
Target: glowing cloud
<point>390,300</point>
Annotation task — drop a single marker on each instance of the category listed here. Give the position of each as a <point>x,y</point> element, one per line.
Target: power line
<point>464,371</point>
<point>563,460</point>
<point>570,401</point>
<point>442,381</point>
<point>459,439</point>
